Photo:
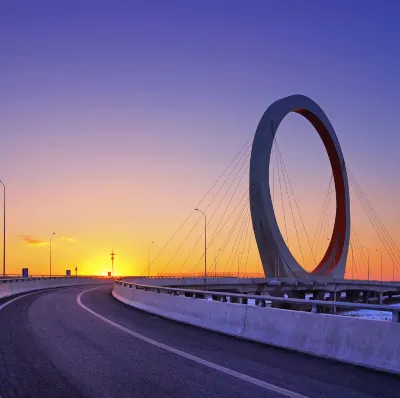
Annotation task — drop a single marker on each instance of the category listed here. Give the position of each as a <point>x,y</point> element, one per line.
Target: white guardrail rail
<point>10,286</point>
<point>369,343</point>
<point>262,301</point>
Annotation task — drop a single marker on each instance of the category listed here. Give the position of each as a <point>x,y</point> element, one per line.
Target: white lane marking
<point>230,372</point>
<point>24,295</point>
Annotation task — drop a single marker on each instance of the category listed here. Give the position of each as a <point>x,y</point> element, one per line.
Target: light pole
<point>381,264</point>
<point>148,259</point>
<point>50,250</point>
<point>4,228</point>
<point>205,244</point>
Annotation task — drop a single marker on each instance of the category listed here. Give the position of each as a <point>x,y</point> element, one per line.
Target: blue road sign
<point>24,272</point>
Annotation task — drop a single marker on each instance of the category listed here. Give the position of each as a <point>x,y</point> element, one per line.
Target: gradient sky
<point>116,116</point>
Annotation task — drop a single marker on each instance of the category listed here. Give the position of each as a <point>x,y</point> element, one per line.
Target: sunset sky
<point>117,116</point>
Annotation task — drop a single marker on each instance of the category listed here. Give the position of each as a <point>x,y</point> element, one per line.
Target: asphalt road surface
<point>50,346</point>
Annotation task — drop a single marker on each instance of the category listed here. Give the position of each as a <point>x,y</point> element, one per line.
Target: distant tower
<point>112,261</point>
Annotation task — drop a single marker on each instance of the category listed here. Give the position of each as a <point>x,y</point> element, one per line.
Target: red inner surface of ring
<point>339,229</point>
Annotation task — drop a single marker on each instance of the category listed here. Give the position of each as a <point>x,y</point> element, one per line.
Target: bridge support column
<point>261,303</point>
<point>365,297</point>
<point>314,308</point>
<point>334,296</point>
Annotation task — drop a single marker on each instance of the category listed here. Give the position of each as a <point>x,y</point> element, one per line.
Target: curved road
<point>53,346</point>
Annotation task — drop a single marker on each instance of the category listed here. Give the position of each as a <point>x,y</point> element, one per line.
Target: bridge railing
<point>13,279</point>
<point>260,300</point>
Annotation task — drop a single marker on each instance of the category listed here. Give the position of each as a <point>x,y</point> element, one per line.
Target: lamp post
<point>205,244</point>
<point>4,228</point>
<point>381,264</point>
<point>148,259</point>
<point>50,250</point>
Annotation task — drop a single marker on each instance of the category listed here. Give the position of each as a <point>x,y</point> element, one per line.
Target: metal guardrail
<point>191,277</point>
<point>261,301</point>
<point>279,282</point>
<point>39,278</point>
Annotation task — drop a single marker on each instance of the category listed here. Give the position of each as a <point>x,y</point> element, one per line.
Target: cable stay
<point>384,236</point>
<point>235,162</point>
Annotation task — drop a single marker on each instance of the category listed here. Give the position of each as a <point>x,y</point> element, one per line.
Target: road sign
<point>68,272</point>
<point>24,272</point>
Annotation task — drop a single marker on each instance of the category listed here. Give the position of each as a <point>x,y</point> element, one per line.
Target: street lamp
<point>4,228</point>
<point>381,264</point>
<point>148,259</point>
<point>205,244</point>
<point>50,250</point>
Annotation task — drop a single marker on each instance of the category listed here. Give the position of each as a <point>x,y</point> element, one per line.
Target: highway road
<point>81,342</point>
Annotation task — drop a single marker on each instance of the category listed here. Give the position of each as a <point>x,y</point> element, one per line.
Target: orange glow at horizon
<point>91,218</point>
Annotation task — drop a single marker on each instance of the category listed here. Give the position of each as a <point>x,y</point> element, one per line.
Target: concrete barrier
<point>10,287</point>
<point>368,343</point>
